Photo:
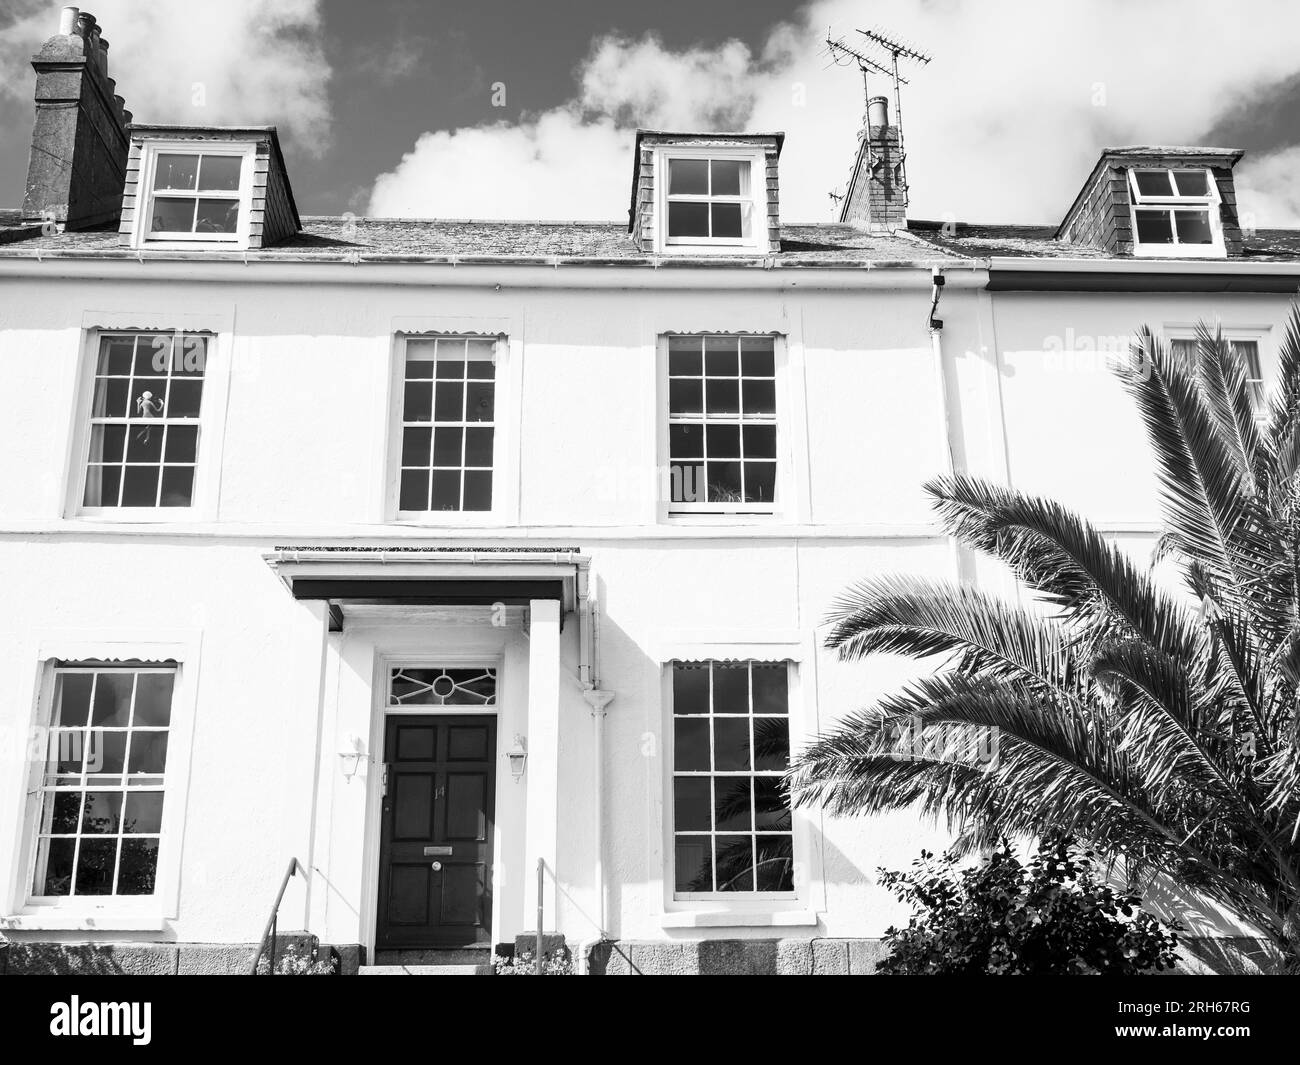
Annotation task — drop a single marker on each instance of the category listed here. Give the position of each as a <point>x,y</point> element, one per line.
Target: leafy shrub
<point>294,962</point>
<point>523,964</point>
<point>1053,915</point>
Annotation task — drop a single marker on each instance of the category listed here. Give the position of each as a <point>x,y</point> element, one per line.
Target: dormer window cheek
<point>1175,211</point>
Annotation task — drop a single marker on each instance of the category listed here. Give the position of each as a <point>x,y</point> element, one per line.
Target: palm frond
<point>1224,388</point>
<point>1063,558</point>
<point>1209,504</point>
<point>980,633</point>
<point>1163,732</point>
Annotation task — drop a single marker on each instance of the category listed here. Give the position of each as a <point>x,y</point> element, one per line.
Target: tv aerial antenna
<point>844,54</point>
<point>897,50</point>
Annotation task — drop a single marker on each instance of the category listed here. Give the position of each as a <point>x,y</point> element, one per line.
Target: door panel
<point>414,743</point>
<point>436,846</point>
<point>468,742</point>
<point>466,806</point>
<point>412,805</point>
<point>408,898</point>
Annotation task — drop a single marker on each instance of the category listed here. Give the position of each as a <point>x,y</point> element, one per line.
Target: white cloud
<point>1267,191</point>
<point>1002,126</point>
<point>557,166</point>
<point>640,82</point>
<point>250,62</point>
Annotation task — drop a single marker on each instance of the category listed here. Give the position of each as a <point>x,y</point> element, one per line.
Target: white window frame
<point>750,909</point>
<point>728,512</point>
<point>23,909</point>
<point>755,204</point>
<point>211,426</point>
<point>1209,203</point>
<point>1259,335</point>
<point>45,792</point>
<point>502,471</point>
<point>713,775</point>
<point>149,153</point>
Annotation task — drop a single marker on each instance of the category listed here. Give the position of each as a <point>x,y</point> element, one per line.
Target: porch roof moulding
<point>432,576</point>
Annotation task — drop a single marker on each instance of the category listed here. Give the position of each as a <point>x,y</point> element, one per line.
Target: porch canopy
<point>431,577</point>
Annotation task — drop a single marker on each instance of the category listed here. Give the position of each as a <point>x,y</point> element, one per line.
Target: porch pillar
<point>543,766</point>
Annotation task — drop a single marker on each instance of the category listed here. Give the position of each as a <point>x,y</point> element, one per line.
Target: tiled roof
<point>809,245</point>
<point>13,228</point>
<point>981,241</point>
<point>415,239</point>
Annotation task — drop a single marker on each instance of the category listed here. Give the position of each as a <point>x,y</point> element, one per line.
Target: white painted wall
<point>1072,431</point>
<point>308,372</point>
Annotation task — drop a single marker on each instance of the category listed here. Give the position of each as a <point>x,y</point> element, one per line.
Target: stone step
<point>440,956</point>
<point>425,970</point>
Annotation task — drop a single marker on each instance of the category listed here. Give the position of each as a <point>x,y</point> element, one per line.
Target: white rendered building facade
<point>422,552</point>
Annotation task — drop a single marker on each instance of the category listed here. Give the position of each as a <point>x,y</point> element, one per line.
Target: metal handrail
<point>272,922</point>
<point>541,882</point>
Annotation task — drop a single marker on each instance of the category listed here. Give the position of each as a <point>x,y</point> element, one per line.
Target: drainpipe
<point>586,639</point>
<point>598,700</point>
<point>935,324</point>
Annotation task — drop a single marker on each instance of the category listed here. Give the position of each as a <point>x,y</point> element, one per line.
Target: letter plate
<point>430,852</point>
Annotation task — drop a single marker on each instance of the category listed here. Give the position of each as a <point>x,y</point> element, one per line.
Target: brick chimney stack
<point>79,141</point>
<point>877,196</point>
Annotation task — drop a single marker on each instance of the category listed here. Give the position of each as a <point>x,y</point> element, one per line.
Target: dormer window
<point>706,194</point>
<point>195,193</point>
<point>709,200</point>
<point>220,188</point>
<point>1175,212</point>
<point>198,195</point>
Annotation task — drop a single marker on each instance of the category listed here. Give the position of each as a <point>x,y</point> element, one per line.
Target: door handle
<point>437,867</point>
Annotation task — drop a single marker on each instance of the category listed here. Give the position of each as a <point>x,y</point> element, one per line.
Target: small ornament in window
<point>147,407</point>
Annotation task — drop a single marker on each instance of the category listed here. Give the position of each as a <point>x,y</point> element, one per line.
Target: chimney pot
<point>68,20</point>
<point>878,111</point>
<point>85,27</point>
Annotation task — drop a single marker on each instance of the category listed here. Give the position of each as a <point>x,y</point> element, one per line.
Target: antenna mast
<point>896,48</point>
<point>842,54</point>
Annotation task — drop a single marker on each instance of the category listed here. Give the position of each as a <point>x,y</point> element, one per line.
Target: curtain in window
<point>94,483</point>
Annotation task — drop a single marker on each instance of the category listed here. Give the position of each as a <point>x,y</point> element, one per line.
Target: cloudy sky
<point>495,109</point>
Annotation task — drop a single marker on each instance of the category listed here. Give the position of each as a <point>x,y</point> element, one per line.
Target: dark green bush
<point>1053,915</point>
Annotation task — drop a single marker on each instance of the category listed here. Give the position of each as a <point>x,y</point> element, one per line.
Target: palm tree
<point>1160,728</point>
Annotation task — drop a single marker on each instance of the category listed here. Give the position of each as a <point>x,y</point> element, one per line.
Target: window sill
<point>738,919</point>
<point>55,920</point>
<point>722,517</point>
<point>196,244</point>
<point>733,248</point>
<point>139,515</point>
<point>1178,251</point>
<point>435,519</point>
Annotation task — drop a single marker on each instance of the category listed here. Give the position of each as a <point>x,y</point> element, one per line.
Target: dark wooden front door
<point>435,857</point>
